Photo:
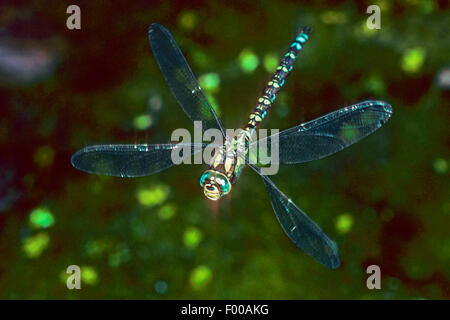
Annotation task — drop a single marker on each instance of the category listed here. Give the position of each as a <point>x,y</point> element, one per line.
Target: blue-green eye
<point>225,187</point>
<point>223,183</point>
<point>204,176</point>
<point>216,178</point>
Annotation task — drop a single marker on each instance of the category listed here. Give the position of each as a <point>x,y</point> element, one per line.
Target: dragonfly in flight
<point>308,141</point>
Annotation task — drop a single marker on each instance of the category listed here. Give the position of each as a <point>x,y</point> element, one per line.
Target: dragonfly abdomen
<point>277,81</point>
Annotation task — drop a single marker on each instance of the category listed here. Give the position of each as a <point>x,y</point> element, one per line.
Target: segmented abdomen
<point>276,82</point>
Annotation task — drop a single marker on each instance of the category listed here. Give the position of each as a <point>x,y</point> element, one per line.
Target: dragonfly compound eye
<point>215,184</point>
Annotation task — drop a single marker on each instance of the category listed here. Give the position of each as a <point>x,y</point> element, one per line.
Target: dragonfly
<point>305,142</point>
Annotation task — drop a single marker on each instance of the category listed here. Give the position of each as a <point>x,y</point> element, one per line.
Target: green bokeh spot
<point>43,156</point>
<point>41,218</point>
<point>375,84</point>
<point>95,248</point>
<point>333,17</point>
<point>192,237</point>
<point>167,211</point>
<point>187,20</point>
<point>200,59</point>
<point>248,61</point>
<point>210,81</point>
<point>413,60</point>
<point>270,62</point>
<point>153,196</point>
<point>440,166</point>
<point>200,277</point>
<point>344,223</point>
<point>89,275</point>
<point>143,122</point>
<point>119,256</point>
<point>34,246</point>
<point>415,270</point>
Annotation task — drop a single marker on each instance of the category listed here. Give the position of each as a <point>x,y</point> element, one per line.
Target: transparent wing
<point>130,160</point>
<point>306,234</point>
<point>328,134</point>
<point>181,80</point>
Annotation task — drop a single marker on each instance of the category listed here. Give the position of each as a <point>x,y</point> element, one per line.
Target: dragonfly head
<point>215,184</point>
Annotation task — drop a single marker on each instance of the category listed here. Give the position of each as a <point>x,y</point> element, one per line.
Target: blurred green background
<point>385,200</point>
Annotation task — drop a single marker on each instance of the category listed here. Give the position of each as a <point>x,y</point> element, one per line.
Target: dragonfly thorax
<point>225,167</point>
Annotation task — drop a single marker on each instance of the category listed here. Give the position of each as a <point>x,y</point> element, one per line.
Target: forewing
<point>129,160</point>
<point>181,80</point>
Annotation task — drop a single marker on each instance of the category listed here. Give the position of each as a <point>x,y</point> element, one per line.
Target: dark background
<point>384,200</point>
